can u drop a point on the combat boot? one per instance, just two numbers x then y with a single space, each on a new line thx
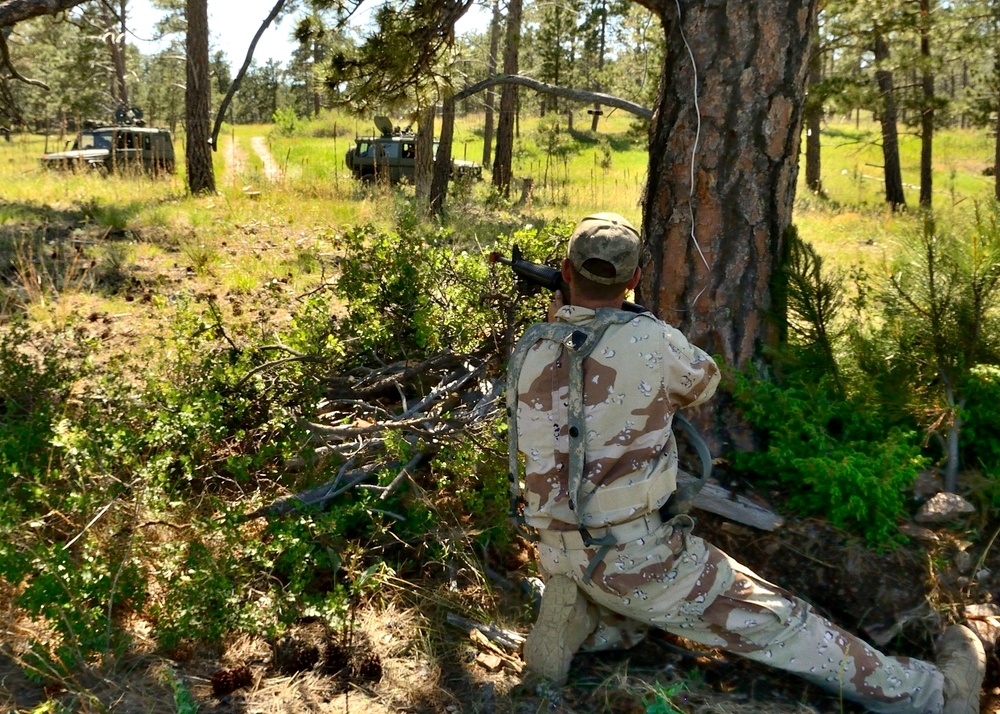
562 625
962 661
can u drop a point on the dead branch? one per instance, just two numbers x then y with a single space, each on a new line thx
404 473
313 498
508 639
5 62
15 11
579 95
379 382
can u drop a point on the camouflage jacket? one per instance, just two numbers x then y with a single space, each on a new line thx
639 374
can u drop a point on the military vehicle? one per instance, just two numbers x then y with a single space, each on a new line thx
391 156
126 145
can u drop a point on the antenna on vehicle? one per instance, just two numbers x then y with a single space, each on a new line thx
384 125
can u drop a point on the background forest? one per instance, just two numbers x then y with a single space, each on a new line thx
252 456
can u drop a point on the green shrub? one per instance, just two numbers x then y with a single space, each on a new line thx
286 122
75 592
411 293
981 415
830 456
474 475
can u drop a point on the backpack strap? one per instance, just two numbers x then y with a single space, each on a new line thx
578 342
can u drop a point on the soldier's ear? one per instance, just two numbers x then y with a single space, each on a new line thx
634 280
567 271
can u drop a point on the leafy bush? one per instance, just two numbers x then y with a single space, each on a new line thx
286 122
414 292
981 432
830 456
75 592
209 417
77 587
473 474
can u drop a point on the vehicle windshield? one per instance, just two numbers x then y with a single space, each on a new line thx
93 140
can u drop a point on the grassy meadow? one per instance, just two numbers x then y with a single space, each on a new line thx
159 353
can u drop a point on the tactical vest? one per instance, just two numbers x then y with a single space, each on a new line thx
579 341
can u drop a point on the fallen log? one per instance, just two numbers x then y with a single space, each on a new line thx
508 639
723 502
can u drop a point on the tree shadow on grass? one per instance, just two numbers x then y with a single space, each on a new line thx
24 219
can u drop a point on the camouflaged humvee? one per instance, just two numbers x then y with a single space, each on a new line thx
391 156
126 145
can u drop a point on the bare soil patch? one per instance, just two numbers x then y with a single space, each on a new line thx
236 158
272 171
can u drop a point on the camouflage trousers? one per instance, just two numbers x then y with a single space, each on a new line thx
675 581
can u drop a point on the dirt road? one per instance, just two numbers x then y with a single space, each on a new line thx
272 172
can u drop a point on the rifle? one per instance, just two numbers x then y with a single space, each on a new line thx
532 276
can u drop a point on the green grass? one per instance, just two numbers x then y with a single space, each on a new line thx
853 174
851 224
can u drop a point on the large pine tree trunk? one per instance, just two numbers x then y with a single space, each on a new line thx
503 161
198 101
894 195
115 34
744 160
491 69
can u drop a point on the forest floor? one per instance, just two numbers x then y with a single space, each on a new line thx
894 599
402 655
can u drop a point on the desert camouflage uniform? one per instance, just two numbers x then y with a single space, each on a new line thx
659 574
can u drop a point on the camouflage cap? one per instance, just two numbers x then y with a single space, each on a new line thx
607 237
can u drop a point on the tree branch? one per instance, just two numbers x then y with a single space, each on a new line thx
15 11
579 95
220 115
5 62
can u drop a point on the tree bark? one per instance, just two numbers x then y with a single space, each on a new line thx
814 120
716 246
14 11
927 112
491 69
114 29
442 161
894 195
503 161
424 167
198 101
